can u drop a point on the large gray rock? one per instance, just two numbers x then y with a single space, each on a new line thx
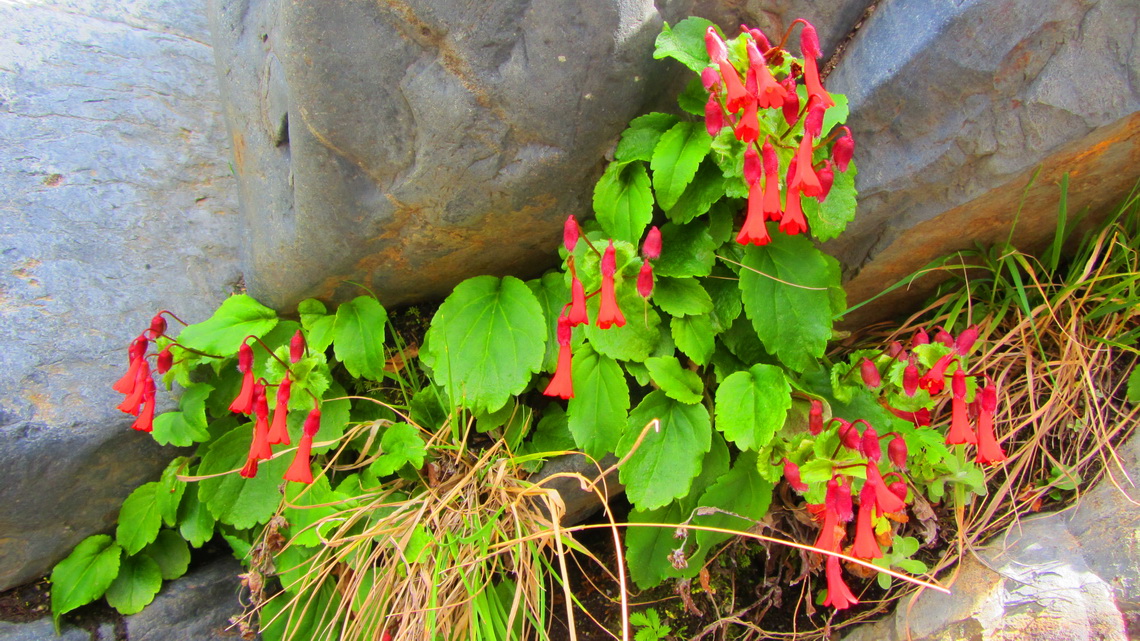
116 202
408 145
955 105
196 607
1070 575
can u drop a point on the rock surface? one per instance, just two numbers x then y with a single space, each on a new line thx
955 105
407 145
196 607
116 202
1069 575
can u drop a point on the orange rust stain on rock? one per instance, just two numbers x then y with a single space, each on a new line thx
239 151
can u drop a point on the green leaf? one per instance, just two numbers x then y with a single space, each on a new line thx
835 115
597 413
648 548
486 341
240 502
634 341
742 341
694 97
677 383
552 294
318 324
308 511
358 337
1134 386
239 316
195 523
664 464
168 495
725 296
171 554
553 431
752 405
685 43
640 138
681 297
335 415
84 575
695 336
139 519
623 202
784 286
707 188
188 426
401 444
675 160
829 219
742 491
138 581
687 250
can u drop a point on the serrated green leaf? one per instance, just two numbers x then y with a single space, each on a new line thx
835 115
636 340
597 413
188 426
237 317
400 445
168 495
318 324
742 491
828 219
665 463
705 190
171 554
308 510
623 201
678 384
681 297
675 160
139 519
694 97
695 336
486 341
725 295
640 138
752 405
195 523
784 287
138 581
84 575
684 42
742 341
552 294
230 498
358 337
553 431
335 415
687 250
264 364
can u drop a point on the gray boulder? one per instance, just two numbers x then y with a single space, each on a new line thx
196 607
956 105
117 201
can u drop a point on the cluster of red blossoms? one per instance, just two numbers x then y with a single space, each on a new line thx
609 312
735 102
139 387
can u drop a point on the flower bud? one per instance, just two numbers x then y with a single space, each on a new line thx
945 338
165 361
849 436
609 261
898 488
297 347
843 150
910 378
896 452
715 46
815 417
896 351
826 179
651 248
871 448
792 475
714 116
757 35
570 233
645 280
813 123
791 106
157 326
958 383
920 338
752 170
870 373
965 341
313 421
843 506
989 398
809 41
245 358
710 79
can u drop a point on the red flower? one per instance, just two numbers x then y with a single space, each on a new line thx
736 95
297 347
715 46
754 231
870 373
711 80
944 337
826 179
884 497
651 248
813 123
758 36
804 179
792 475
965 341
164 361
809 45
871 448
934 381
920 338
989 451
260 446
645 280
843 507
562 384
609 313
279 430
570 233
752 167
849 435
910 378
866 546
301 470
828 536
747 128
243 404
157 326
791 106
714 116
960 431
843 150
839 596
771 183
769 93
792 221
921 418
578 313
896 451
145 421
815 417
134 400
136 355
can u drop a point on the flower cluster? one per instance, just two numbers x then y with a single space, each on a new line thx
609 312
735 101
138 384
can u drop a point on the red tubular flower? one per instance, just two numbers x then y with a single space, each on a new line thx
164 361
771 183
132 403
965 341
791 106
792 221
145 421
747 128
809 45
920 338
715 46
136 355
710 79
815 417
752 166
754 231
870 373
944 337
813 123
866 546
958 383
910 378
843 150
561 384
279 430
871 448
792 476
260 445
960 431
737 96
578 313
157 326
714 116
849 435
243 404
769 93
645 280
839 596
804 178
843 506
826 179
651 248
297 347
609 313
301 470
935 380
989 452
884 497
758 36
828 536
896 452
921 418
570 233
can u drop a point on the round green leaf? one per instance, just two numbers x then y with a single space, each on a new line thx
665 463
400 444
237 317
686 250
138 581
597 413
195 522
139 519
623 202
742 491
684 42
635 340
84 575
358 337
171 554
486 341
681 297
829 218
695 337
752 405
676 158
318 324
240 502
187 426
677 383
